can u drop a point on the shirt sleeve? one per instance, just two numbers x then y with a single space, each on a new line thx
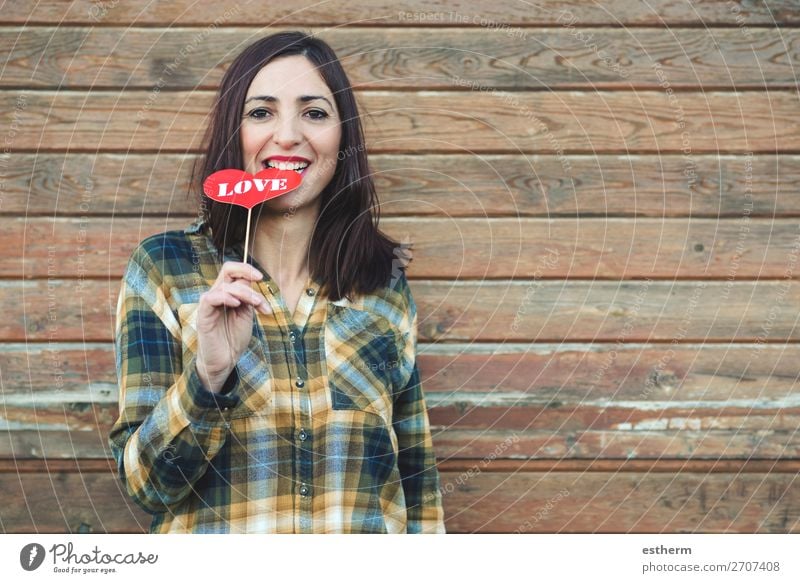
169 426
417 461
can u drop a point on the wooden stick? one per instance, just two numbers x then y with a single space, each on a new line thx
247 235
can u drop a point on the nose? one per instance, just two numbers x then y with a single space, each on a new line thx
287 132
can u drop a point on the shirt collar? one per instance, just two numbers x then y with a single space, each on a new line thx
199 225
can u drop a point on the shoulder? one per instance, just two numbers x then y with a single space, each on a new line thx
393 302
164 247
169 265
170 252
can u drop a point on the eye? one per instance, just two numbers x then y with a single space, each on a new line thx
318 114
258 113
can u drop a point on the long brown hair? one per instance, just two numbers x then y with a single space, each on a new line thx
348 254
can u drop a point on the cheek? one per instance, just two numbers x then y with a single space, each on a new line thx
328 148
250 140
327 142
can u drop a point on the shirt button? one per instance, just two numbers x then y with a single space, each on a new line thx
292 336
303 435
304 490
299 383
310 291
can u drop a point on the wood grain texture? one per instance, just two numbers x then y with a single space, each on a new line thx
57 310
550 373
602 202
412 58
435 122
89 498
454 443
457 185
460 248
624 502
499 401
469 13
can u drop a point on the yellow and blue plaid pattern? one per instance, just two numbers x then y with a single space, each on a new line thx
321 428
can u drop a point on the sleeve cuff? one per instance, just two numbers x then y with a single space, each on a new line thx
230 383
201 405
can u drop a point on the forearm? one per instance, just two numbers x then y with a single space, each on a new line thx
417 461
161 458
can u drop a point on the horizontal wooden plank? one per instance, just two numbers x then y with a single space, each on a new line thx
57 310
432 121
79 372
718 466
762 374
622 503
451 443
515 414
518 430
584 373
475 500
71 309
503 401
87 243
459 248
455 443
82 502
499 411
383 12
56 444
59 184
385 58
612 311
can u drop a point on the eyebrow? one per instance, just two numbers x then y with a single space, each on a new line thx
301 99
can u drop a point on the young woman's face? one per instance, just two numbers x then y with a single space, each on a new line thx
289 112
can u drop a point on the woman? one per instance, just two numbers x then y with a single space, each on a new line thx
282 394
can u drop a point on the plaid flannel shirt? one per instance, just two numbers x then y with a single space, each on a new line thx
321 428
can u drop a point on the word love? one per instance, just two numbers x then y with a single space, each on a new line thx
244 189
244 186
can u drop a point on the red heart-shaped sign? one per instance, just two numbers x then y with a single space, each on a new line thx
243 189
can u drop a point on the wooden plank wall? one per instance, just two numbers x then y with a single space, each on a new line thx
603 200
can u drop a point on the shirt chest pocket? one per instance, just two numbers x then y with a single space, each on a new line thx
255 384
360 355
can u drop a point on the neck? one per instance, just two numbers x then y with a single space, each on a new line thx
281 243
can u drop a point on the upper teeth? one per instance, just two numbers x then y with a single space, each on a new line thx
286 165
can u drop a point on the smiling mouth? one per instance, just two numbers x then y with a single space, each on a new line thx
299 167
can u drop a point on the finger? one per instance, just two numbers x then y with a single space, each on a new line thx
232 270
216 298
245 293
